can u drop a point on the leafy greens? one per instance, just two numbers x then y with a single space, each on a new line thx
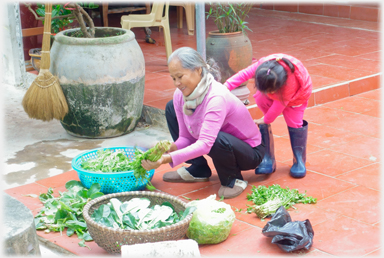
268 199
109 161
66 211
136 214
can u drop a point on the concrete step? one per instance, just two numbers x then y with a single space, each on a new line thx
20 232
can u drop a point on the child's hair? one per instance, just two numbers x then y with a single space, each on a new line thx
270 76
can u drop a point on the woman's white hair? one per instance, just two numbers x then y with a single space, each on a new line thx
192 60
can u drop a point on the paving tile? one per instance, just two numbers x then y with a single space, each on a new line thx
311 212
254 241
354 203
59 180
363 124
365 147
319 82
349 61
336 72
160 104
21 193
366 176
343 236
327 116
283 150
375 112
151 95
314 184
372 94
372 56
376 253
71 244
327 136
318 253
162 83
354 104
332 94
328 162
155 75
279 126
364 84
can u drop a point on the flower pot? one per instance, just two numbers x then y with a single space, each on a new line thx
102 79
35 54
232 52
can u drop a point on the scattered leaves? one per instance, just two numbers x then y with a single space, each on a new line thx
268 199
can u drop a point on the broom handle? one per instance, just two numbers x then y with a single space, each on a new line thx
45 56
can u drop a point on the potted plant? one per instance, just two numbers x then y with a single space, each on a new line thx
229 45
101 71
61 19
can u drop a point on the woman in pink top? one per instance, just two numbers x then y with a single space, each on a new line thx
283 86
205 118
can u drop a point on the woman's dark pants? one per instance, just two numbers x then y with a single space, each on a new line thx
229 154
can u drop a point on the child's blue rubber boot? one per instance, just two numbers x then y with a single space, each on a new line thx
298 137
268 164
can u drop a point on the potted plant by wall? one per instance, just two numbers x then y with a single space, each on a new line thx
229 45
61 20
101 71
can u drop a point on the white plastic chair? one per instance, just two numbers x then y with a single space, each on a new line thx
189 15
153 19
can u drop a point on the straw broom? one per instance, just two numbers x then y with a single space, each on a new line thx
44 99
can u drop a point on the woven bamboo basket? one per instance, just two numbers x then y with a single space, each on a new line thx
111 239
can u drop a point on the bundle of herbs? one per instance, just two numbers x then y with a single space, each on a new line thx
66 210
138 214
109 161
268 199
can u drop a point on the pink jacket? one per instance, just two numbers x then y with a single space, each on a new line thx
219 111
296 91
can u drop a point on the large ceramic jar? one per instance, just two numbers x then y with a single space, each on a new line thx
232 52
102 79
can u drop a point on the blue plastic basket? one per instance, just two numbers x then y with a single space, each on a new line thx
115 182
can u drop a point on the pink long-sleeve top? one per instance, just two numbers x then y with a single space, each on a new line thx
219 111
295 92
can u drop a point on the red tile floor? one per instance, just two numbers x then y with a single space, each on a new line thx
343 153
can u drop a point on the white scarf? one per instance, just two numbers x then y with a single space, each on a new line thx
197 96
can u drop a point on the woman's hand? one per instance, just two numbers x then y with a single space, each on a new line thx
259 121
148 165
172 148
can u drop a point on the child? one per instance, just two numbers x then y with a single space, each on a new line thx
283 86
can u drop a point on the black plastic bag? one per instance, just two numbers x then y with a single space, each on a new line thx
288 235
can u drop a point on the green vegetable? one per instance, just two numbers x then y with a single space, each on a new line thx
109 161
211 222
268 199
66 211
153 154
136 214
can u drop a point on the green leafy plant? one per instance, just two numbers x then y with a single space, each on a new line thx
136 214
66 210
152 154
268 199
109 161
57 25
229 17
63 15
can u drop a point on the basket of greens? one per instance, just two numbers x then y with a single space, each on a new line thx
118 169
136 217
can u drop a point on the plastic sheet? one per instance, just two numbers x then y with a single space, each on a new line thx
287 234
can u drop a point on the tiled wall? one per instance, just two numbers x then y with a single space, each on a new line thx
353 11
